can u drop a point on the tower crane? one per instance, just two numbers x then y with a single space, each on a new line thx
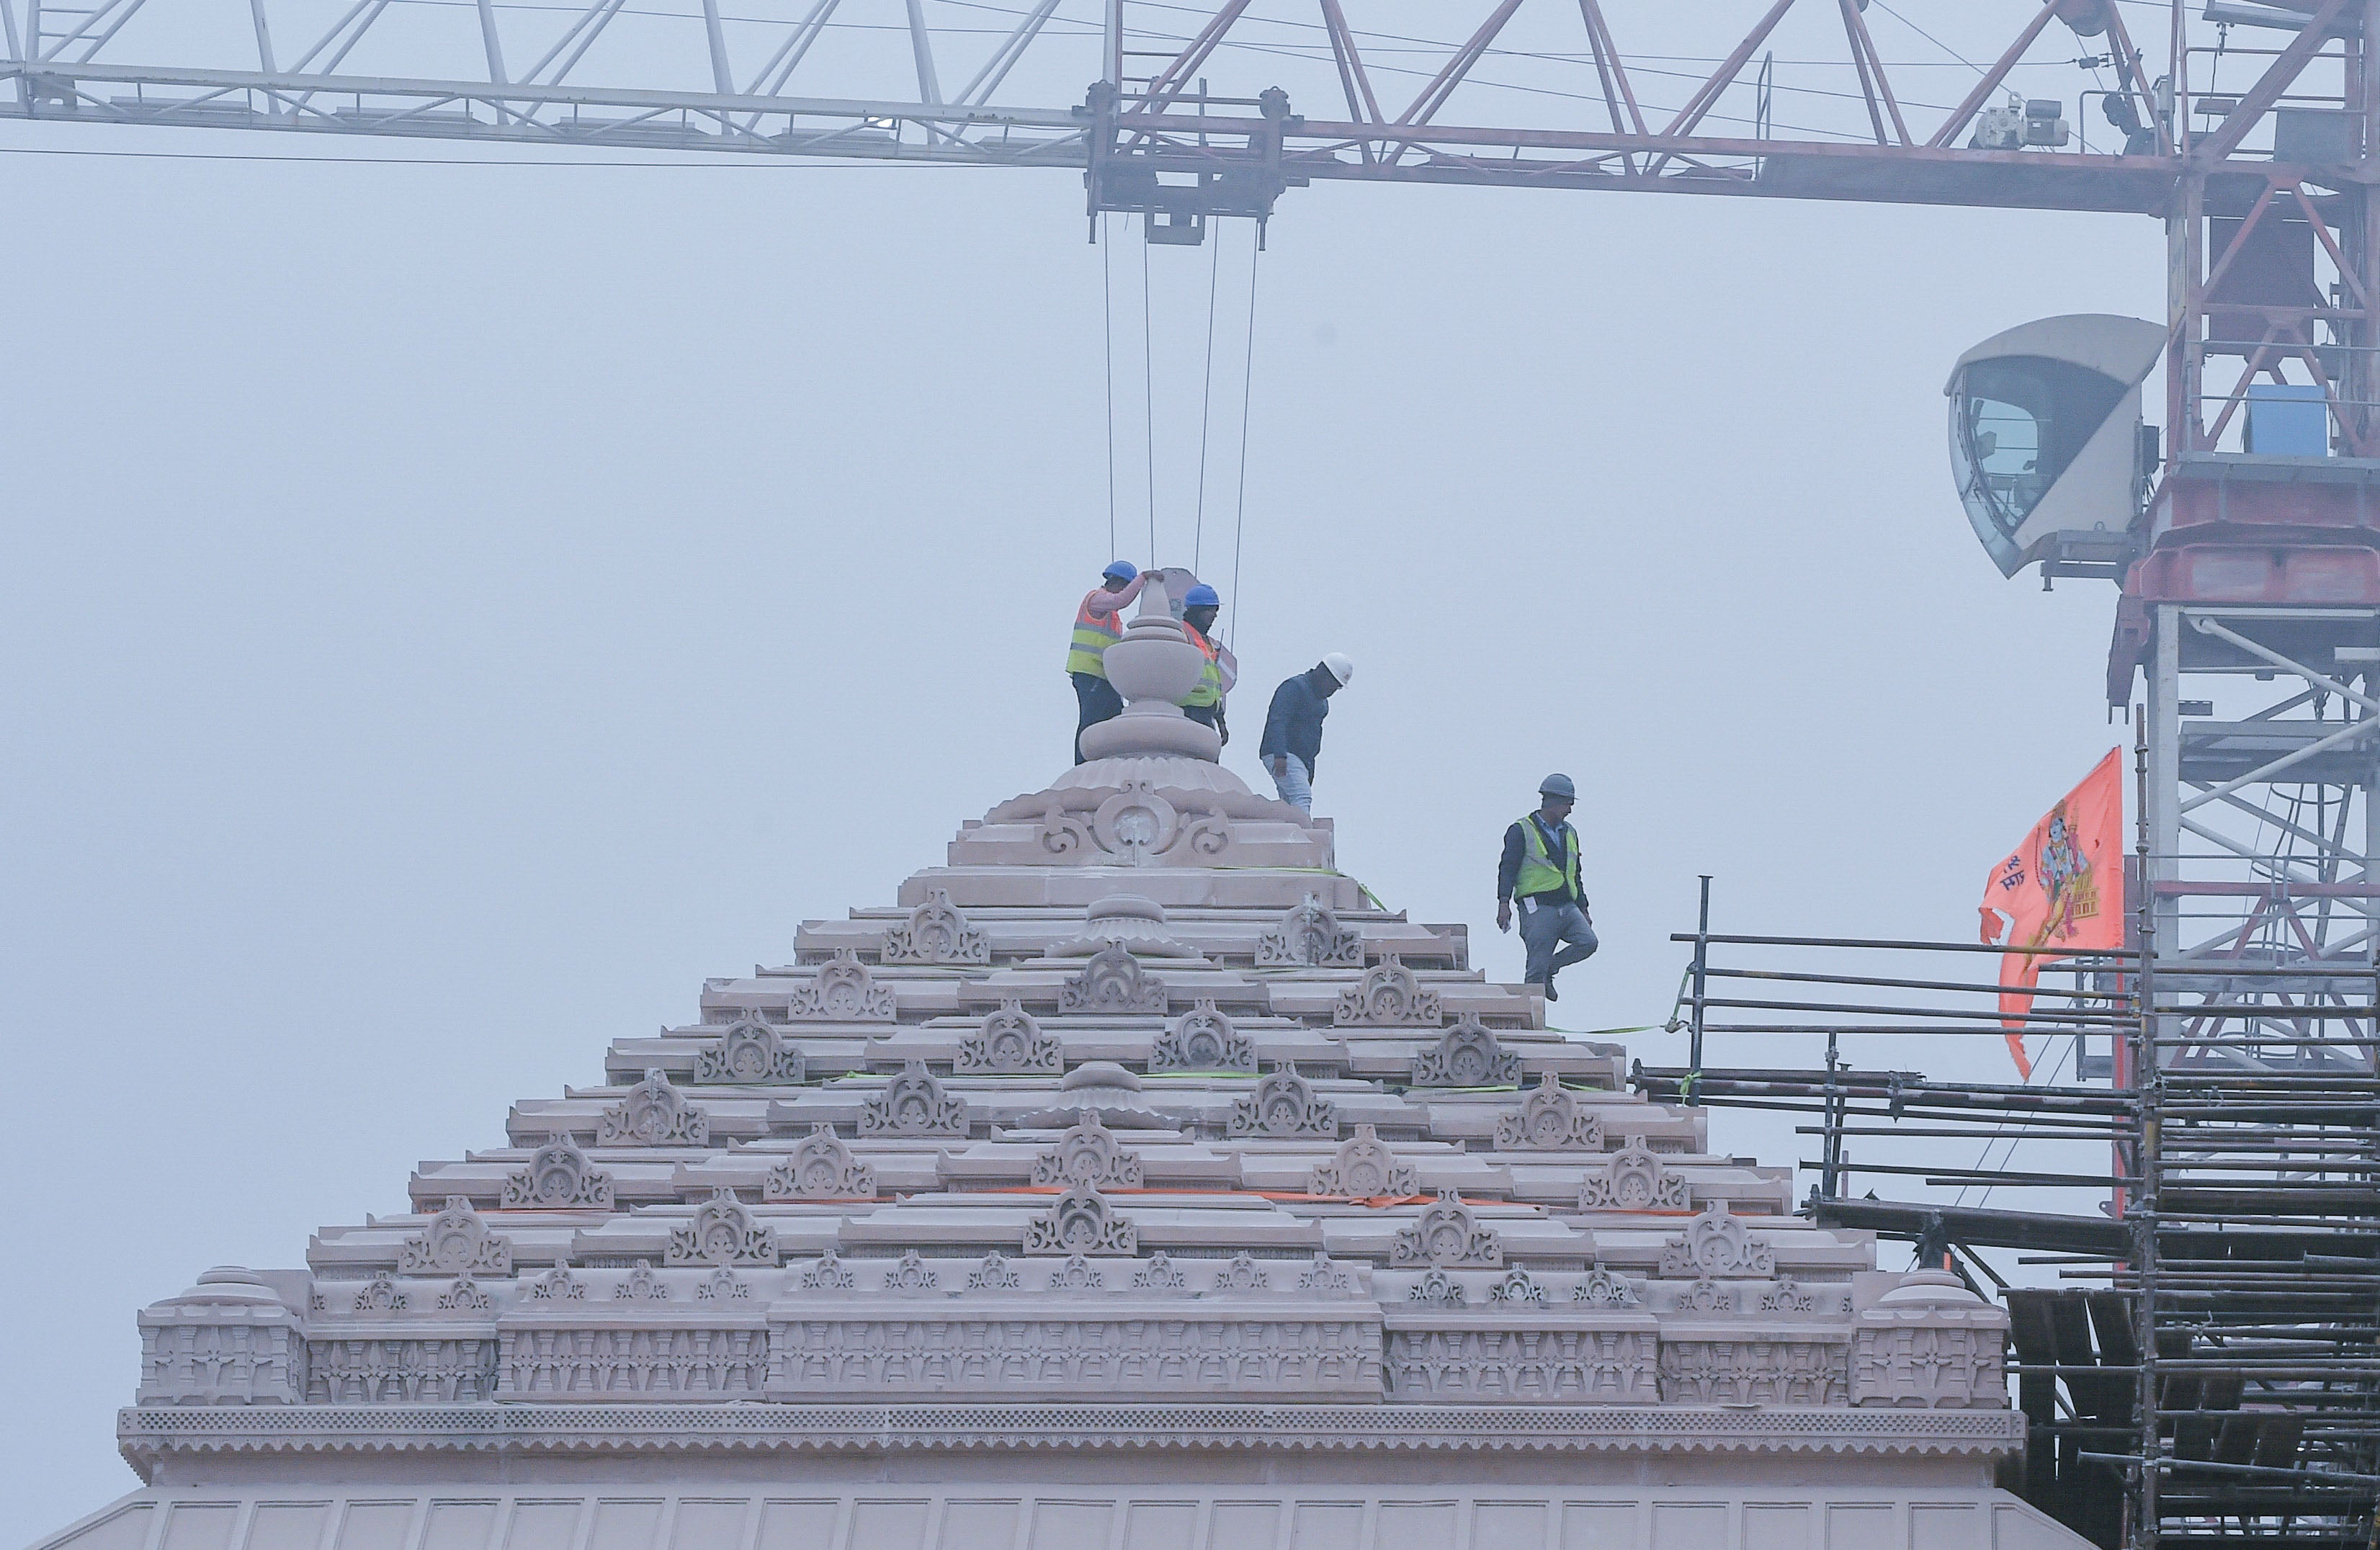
2243 534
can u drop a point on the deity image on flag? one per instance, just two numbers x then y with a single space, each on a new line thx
2062 889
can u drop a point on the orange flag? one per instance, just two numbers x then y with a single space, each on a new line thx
2064 887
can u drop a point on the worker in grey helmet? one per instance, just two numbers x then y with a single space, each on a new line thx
1540 872
1293 734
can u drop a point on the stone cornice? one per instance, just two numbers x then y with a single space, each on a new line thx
146 1434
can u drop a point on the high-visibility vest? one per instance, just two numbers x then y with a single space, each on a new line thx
1094 632
1538 873
1210 674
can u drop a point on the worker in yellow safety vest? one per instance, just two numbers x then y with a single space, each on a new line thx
1099 624
1204 703
1540 871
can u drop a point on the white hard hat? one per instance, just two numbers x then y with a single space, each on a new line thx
1342 667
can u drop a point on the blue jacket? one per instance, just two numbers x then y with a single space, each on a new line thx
1293 726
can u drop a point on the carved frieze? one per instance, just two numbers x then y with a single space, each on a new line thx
1310 935
1550 1120
1930 1344
722 1232
1446 1234
936 932
844 991
1009 1042
1113 982
1387 996
229 1340
455 1243
1716 1243
1468 1055
913 1103
1633 1179
751 1053
1087 1154
1752 1371
405 1370
1284 1105
1079 1222
558 1178
1363 1169
653 1113
1203 1039
1571 1366
819 1168
644 1363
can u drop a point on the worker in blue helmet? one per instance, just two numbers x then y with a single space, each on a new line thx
1099 623
1204 703
1540 872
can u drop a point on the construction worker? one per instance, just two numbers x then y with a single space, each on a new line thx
1099 623
1293 734
1540 869
1204 703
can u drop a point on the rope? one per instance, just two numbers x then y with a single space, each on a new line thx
1206 400
1107 322
1247 392
1148 392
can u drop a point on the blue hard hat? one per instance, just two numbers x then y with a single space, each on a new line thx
1121 570
1201 596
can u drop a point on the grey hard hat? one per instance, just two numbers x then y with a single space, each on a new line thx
1558 785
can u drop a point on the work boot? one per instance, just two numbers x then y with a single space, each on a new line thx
1545 984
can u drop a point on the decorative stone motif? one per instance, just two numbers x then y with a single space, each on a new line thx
1438 1289
914 1104
910 1275
936 933
1241 1275
1634 1179
403 1370
1363 1169
830 1273
1203 1039
993 1275
1716 1245
1930 1344
1138 826
1516 1286
751 1053
1077 1276
557 1285
1010 1042
723 1286
643 1362
1284 1105
1088 1154
1080 1223
653 1113
642 1286
229 1340
1159 1274
722 1232
1707 1296
1752 1371
1601 1288
1550 1120
464 1297
558 1178
819 1168
379 1295
1568 1366
843 992
1788 1297
455 1243
1325 1280
1310 935
1467 1057
1387 996
1113 982
1446 1234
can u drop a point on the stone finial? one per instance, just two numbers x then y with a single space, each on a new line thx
558 1178
1152 667
1113 981
821 1168
1716 1244
1468 1055
1080 1223
1087 1154
1446 1234
751 1053
1203 1039
722 1232
653 1113
1363 1169
844 991
1284 1105
1633 1179
936 932
455 1243
1387 996
1310 935
1009 1042
914 1104
1548 1119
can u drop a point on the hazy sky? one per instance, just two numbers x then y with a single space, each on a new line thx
451 610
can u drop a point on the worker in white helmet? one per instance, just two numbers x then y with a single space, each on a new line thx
1292 734
1540 871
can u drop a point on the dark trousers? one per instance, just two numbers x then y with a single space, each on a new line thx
1099 702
